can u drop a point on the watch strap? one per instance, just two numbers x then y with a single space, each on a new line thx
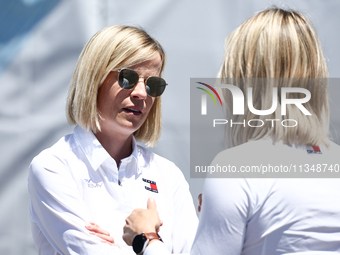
152 236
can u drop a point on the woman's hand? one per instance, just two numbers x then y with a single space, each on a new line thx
142 220
101 233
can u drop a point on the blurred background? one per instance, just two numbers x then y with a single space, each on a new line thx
40 41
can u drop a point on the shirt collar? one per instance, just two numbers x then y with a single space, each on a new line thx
95 152
133 168
134 149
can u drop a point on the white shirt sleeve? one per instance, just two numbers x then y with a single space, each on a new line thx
223 218
58 214
186 221
156 248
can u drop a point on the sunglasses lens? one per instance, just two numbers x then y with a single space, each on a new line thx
128 79
155 86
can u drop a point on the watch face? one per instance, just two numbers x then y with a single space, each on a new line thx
138 243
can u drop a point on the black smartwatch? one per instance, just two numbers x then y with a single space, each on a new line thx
141 240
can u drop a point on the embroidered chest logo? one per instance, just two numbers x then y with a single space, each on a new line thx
151 185
313 150
91 184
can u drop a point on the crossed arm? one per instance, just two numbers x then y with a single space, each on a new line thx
140 220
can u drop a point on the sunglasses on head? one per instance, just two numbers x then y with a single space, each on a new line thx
128 79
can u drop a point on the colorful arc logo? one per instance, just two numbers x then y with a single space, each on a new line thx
204 98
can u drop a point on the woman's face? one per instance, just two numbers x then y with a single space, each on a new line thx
122 112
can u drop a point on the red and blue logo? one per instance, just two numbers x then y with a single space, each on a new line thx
152 185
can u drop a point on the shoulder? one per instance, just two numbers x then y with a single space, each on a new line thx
248 151
54 157
333 149
151 161
154 159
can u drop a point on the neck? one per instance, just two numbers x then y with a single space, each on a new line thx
117 146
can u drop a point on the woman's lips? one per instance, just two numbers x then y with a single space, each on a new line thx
132 110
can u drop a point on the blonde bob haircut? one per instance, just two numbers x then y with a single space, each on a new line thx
112 48
282 47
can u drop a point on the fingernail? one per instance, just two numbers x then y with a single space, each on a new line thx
88 226
151 199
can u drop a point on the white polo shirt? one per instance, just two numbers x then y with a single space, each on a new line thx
76 181
272 216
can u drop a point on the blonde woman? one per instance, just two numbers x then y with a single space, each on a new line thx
99 173
280 215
